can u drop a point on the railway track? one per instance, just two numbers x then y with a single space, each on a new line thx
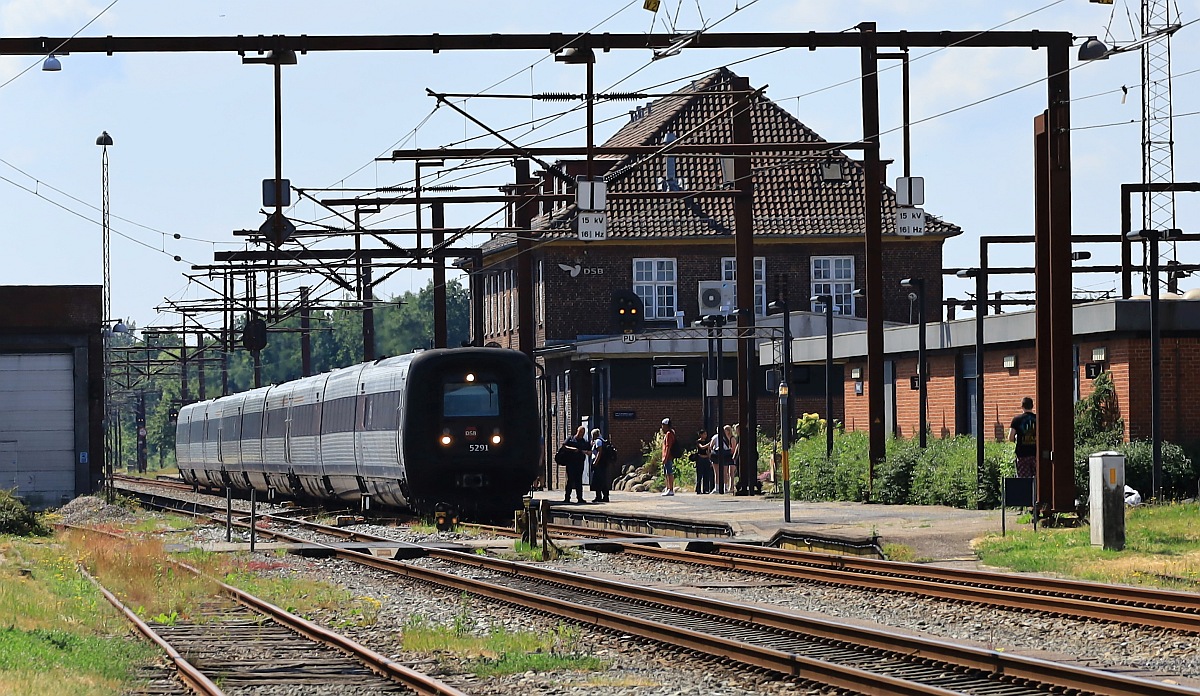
1136 606
1140 606
856 659
239 641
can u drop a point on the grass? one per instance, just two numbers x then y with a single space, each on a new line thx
499 652
58 635
1162 549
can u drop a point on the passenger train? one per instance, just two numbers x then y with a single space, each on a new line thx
438 429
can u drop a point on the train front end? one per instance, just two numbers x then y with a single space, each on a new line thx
470 431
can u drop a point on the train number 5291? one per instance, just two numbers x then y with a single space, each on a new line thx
478 448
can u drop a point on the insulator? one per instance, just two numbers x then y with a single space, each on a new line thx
621 96
556 96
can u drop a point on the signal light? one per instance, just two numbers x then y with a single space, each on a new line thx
627 310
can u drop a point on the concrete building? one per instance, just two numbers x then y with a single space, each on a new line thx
51 392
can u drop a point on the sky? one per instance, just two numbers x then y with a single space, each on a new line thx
193 133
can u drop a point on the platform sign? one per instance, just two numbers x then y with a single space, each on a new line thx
591 226
914 383
1094 369
910 190
910 222
590 193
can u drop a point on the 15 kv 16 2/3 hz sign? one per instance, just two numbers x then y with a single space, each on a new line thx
910 222
590 225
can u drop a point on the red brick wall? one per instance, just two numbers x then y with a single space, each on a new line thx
1128 360
580 305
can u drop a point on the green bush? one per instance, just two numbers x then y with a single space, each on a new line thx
16 518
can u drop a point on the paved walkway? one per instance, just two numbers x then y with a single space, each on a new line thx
938 534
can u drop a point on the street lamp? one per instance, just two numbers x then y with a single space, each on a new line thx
827 301
918 284
1153 237
279 230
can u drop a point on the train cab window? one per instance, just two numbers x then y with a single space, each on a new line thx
470 399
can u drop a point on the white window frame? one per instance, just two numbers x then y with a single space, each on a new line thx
729 275
654 280
833 275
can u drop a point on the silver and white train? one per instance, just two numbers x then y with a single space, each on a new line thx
440 429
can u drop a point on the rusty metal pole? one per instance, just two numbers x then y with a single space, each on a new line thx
440 332
306 366
1126 245
1044 396
1062 372
873 205
743 226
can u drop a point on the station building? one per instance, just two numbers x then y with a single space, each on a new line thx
51 392
1110 336
676 253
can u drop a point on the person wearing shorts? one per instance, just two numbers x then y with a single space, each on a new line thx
668 461
1023 431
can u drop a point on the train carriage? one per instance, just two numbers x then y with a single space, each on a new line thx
434 429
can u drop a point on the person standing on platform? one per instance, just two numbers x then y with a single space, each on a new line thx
704 463
669 451
602 467
1023 431
731 458
571 456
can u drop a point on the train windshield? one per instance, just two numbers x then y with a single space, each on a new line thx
471 399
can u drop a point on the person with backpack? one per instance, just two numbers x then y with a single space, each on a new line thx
604 462
571 456
671 450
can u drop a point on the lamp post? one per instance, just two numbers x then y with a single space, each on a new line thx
715 322
785 398
1152 237
279 232
104 141
827 301
918 284
980 277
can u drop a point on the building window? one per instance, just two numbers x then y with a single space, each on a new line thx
834 275
654 282
487 304
729 275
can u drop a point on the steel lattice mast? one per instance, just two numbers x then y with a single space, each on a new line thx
1158 144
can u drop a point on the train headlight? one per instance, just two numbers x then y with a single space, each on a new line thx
496 439
446 439
470 377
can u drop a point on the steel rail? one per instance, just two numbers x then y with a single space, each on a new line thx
420 683
194 678
987 661
1117 594
1178 611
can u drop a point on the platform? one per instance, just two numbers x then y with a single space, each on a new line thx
935 533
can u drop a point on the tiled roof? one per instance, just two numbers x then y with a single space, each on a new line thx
791 198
